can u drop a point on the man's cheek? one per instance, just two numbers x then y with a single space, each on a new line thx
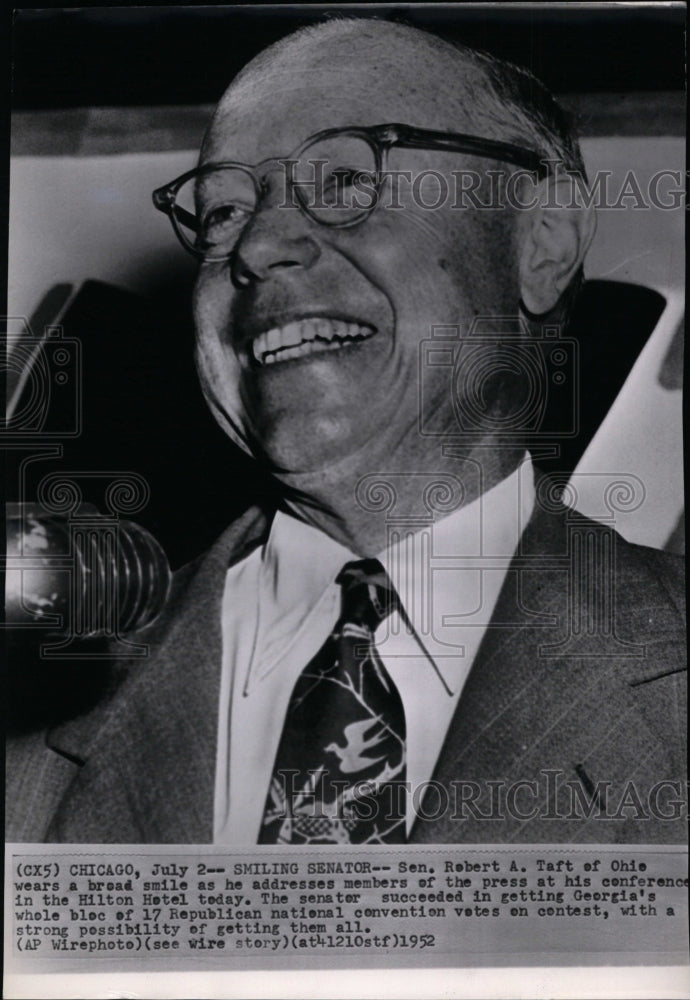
212 301
218 368
436 294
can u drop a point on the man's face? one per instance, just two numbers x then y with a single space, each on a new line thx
362 298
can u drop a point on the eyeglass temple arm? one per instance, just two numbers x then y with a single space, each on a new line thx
410 138
164 201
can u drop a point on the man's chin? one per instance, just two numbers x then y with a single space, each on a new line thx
317 450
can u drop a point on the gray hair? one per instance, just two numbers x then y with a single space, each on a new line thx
524 110
506 101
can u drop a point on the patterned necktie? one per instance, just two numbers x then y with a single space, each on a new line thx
339 775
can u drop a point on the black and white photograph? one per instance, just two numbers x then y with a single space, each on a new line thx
343 462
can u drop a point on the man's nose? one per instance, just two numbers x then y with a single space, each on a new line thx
276 238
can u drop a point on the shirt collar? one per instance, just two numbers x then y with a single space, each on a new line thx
299 564
483 534
297 570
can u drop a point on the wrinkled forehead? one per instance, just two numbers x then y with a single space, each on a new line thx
286 95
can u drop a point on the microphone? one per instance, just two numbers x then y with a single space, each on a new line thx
85 576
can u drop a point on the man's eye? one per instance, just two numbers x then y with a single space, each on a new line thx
223 220
339 184
341 177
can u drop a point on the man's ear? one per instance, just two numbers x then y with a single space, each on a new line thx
554 241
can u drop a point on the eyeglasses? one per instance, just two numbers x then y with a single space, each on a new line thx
336 176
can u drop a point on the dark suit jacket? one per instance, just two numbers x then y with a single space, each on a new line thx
578 685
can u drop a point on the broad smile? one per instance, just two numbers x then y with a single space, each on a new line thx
303 337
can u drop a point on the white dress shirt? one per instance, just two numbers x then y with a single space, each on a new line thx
281 603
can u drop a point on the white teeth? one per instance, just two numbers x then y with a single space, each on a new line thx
290 335
308 336
309 329
299 352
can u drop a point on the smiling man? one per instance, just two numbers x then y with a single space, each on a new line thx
421 643
377 285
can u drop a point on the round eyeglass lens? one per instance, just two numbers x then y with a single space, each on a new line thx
213 208
335 178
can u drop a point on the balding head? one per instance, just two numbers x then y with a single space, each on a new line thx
406 70
310 402
425 80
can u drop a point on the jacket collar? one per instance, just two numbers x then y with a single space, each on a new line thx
532 666
555 695
152 792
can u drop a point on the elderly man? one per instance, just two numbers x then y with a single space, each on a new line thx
421 643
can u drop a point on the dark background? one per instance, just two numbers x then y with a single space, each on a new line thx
143 409
185 55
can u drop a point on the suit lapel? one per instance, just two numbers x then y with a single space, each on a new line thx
538 699
521 713
149 771
495 719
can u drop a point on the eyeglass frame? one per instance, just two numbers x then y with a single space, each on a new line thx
381 138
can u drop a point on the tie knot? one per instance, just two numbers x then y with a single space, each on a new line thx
368 595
